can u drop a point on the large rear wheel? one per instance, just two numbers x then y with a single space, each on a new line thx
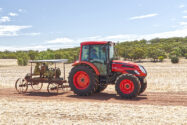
127 86
83 80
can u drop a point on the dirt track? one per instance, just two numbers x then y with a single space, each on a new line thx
152 98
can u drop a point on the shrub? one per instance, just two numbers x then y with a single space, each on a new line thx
175 59
161 58
22 59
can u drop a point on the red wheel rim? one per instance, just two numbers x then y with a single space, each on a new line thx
126 86
81 80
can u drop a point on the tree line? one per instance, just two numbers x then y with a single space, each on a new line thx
156 50
23 56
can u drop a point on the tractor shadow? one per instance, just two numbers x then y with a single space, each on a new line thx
107 96
41 94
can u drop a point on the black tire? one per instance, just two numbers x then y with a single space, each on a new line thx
143 85
93 80
100 88
135 83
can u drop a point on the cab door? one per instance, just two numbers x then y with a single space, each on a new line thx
98 56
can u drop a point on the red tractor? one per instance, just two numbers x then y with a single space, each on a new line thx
96 68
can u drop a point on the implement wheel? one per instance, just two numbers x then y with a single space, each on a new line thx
65 88
83 80
37 86
21 85
127 86
52 88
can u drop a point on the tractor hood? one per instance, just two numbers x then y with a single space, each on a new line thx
127 63
128 67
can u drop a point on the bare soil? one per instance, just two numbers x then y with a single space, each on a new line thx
150 98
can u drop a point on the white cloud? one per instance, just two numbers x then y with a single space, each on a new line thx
20 10
181 6
185 11
115 38
174 26
127 37
183 23
61 40
173 19
1 9
4 19
13 14
11 30
34 47
184 17
30 34
65 42
130 37
143 16
156 25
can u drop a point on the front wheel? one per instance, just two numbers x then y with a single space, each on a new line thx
127 86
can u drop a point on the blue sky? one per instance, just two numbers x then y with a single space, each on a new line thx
54 24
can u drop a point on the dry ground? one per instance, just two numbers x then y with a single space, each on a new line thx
164 102
19 111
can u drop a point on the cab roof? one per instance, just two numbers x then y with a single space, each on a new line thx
95 42
49 61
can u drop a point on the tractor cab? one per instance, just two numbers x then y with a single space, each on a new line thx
100 54
97 67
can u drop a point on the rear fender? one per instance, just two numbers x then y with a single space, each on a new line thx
89 64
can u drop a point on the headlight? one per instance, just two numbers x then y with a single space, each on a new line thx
142 69
136 72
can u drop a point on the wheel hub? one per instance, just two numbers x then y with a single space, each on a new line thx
81 80
127 86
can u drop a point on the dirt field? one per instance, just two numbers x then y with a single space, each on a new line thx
164 102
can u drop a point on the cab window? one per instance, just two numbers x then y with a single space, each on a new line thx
85 53
98 53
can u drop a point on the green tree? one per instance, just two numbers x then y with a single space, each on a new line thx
154 53
32 54
138 53
58 56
